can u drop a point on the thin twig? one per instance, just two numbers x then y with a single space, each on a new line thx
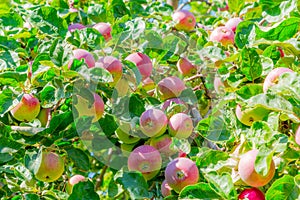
100 178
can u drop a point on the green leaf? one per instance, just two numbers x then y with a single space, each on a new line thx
8 43
199 191
210 157
222 184
263 161
213 128
6 100
235 5
119 8
5 157
60 52
97 12
251 65
9 60
249 90
11 20
134 183
136 105
245 34
79 157
84 191
284 31
283 188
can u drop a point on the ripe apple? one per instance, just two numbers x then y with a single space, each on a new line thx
73 27
170 87
153 122
113 65
50 167
181 172
83 54
297 136
247 171
125 137
72 181
27 109
95 110
218 85
162 144
44 116
233 23
104 29
185 67
145 159
185 20
143 63
181 125
223 35
273 76
251 115
165 189
148 84
251 194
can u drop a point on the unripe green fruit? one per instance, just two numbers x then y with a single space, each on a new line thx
44 116
50 167
181 125
125 137
27 109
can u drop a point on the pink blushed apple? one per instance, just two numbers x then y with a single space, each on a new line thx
181 125
251 194
297 135
273 76
233 23
181 172
247 171
76 26
170 87
143 63
153 122
223 35
145 159
185 20
111 64
165 189
104 29
83 54
185 67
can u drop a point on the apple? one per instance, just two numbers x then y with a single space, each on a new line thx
125 137
104 29
247 171
273 76
143 63
185 20
73 27
50 167
83 54
185 67
181 125
27 109
233 23
170 87
173 106
145 159
162 144
44 116
251 194
148 84
165 189
181 172
84 108
297 136
218 85
248 116
223 35
153 122
72 181
122 87
113 65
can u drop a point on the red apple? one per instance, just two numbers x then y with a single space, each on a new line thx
181 172
223 35
165 189
27 109
96 110
162 144
185 67
181 125
73 27
273 76
143 63
185 20
170 87
145 159
233 23
297 136
104 29
113 65
74 180
247 171
153 122
84 54
251 194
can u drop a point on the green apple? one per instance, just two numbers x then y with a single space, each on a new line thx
125 137
44 116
